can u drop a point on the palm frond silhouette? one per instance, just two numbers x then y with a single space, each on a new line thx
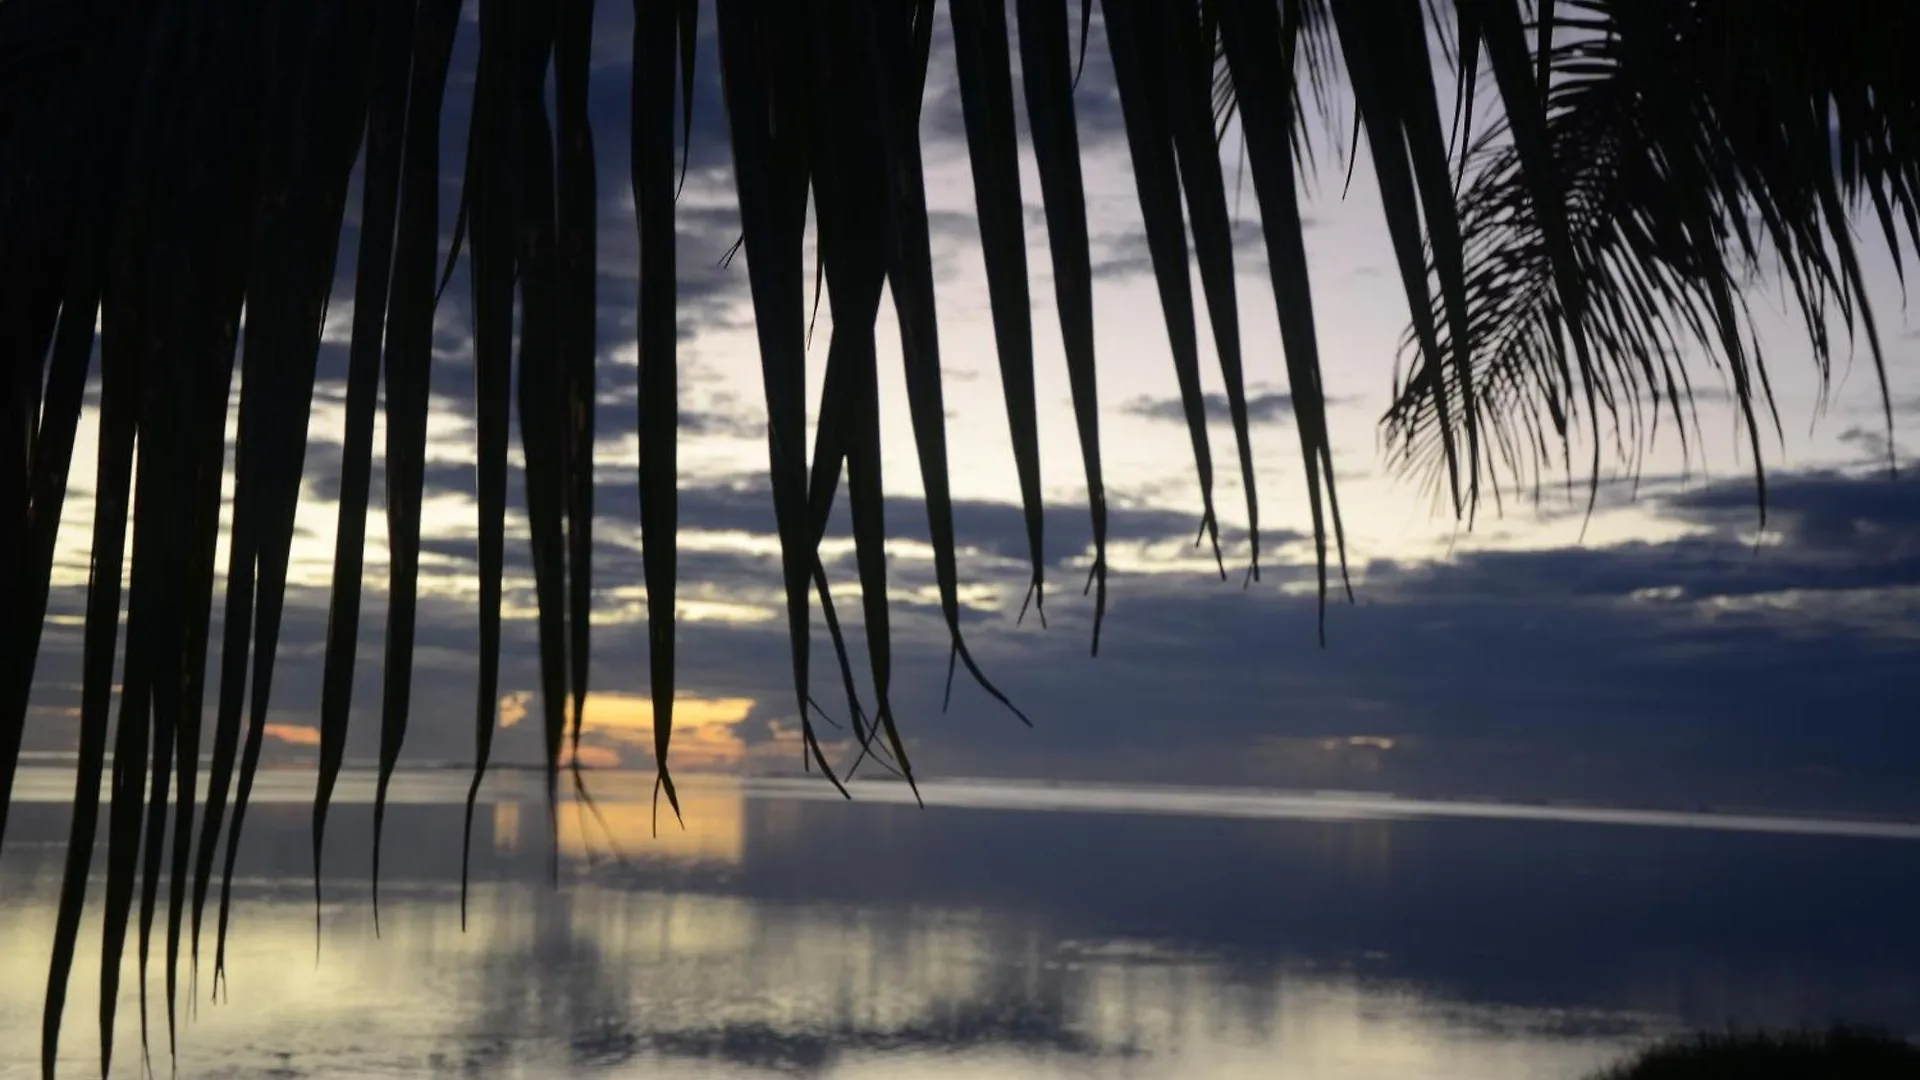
168 169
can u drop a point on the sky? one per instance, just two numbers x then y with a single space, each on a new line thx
1667 650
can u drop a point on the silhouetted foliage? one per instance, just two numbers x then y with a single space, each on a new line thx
1839 1054
165 167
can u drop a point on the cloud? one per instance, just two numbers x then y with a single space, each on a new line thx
1872 517
1124 253
1273 407
1868 442
1685 670
620 725
701 423
293 734
1692 669
513 708
1875 445
742 507
1570 692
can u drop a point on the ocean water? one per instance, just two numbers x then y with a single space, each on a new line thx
1005 930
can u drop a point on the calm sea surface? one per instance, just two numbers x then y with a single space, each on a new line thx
1004 931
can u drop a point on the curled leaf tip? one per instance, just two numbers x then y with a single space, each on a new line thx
1210 530
1097 575
979 676
1036 599
953 657
662 781
820 757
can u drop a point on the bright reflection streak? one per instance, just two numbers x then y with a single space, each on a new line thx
623 822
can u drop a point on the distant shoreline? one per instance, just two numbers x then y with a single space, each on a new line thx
49 783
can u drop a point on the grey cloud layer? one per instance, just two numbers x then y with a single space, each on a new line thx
1270 407
1702 669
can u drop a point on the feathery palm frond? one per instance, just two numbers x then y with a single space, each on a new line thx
164 169
1680 151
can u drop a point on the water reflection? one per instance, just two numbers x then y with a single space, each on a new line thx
781 934
622 820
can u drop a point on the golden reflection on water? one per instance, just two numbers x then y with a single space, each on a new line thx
622 820
506 828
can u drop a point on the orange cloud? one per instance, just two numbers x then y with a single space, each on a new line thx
704 729
705 734
625 820
294 734
590 756
513 707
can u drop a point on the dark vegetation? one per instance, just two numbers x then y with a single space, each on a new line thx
1570 266
1839 1054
